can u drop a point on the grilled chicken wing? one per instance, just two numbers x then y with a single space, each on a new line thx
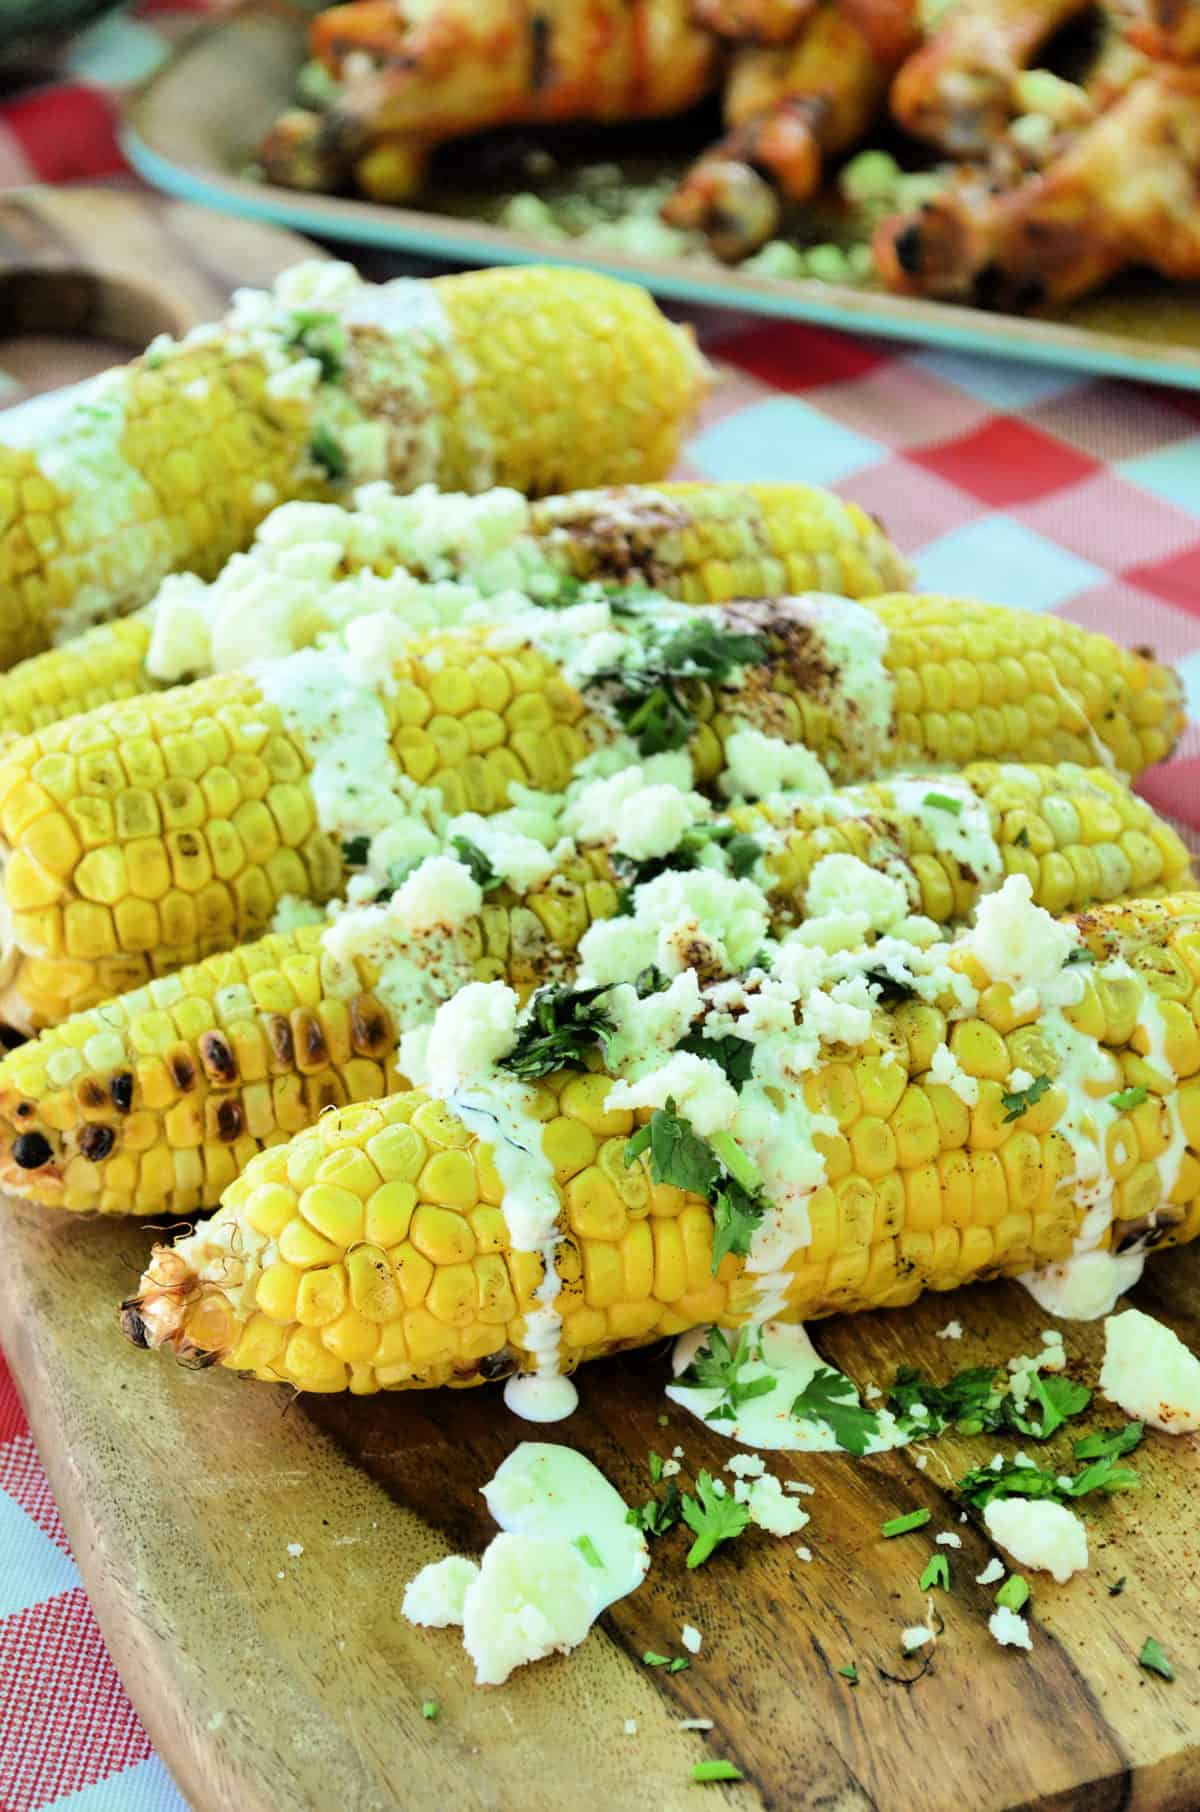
414 75
1123 193
789 107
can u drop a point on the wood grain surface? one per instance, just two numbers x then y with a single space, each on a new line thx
114 268
274 1683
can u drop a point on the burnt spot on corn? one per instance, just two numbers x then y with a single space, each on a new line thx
182 1069
907 246
624 544
91 1094
279 1036
24 1109
310 1040
216 1054
120 1091
96 1142
541 32
31 1150
230 1120
501 1364
370 1026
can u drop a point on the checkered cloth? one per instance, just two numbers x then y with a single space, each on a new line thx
1004 481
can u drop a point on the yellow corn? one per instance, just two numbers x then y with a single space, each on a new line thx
152 1102
540 379
703 543
142 836
372 1253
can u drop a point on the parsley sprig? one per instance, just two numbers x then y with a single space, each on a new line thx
651 697
477 863
984 1483
713 1517
1021 1100
320 334
977 1401
561 1028
717 1168
830 1397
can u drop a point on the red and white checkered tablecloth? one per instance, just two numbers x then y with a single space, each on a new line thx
1017 483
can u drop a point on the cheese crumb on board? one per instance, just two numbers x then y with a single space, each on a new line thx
1039 1534
1010 1629
1149 1372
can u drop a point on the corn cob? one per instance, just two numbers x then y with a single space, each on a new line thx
155 1100
145 835
703 543
542 379
373 1252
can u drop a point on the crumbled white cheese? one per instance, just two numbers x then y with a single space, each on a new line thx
991 1573
951 1331
916 1636
1149 1372
841 884
1009 1628
945 1068
434 1598
1025 946
769 1507
948 1539
747 1465
523 862
469 1034
295 1549
1038 1533
694 919
691 1638
532 1598
803 1553
292 913
757 766
631 1727
699 1088
644 1031
640 811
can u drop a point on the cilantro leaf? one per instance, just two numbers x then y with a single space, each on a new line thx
354 851
650 701
984 1483
1059 1398
477 864
716 1770
904 1525
735 1055
970 1400
1130 1097
1154 1660
1016 1104
944 802
657 1514
743 852
712 1517
736 1213
829 1397
718 1366
681 1157
849 1672
562 1026
327 453
1110 1443
1081 954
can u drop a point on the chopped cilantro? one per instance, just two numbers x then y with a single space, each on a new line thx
1110 1443
743 852
321 335
658 1514
656 1466
1059 1398
354 851
849 1672
648 981
1013 1594
678 1665
1153 1659
718 1366
1080 955
477 864
1015 1105
1130 1097
653 1660
716 1770
970 1400
562 1026
588 1549
327 453
937 1573
945 802
429 1709
891 988
904 1525
711 1518
1117 1587
680 1157
735 1055
650 701
983 1483
829 1397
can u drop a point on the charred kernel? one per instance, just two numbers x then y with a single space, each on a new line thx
279 1032
31 1150
217 1057
230 1120
95 1142
91 1094
120 1091
370 1027
182 1069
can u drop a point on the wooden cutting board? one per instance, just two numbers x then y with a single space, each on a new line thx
273 1682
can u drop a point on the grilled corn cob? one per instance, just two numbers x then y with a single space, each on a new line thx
704 543
143 836
154 1101
541 379
374 1252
